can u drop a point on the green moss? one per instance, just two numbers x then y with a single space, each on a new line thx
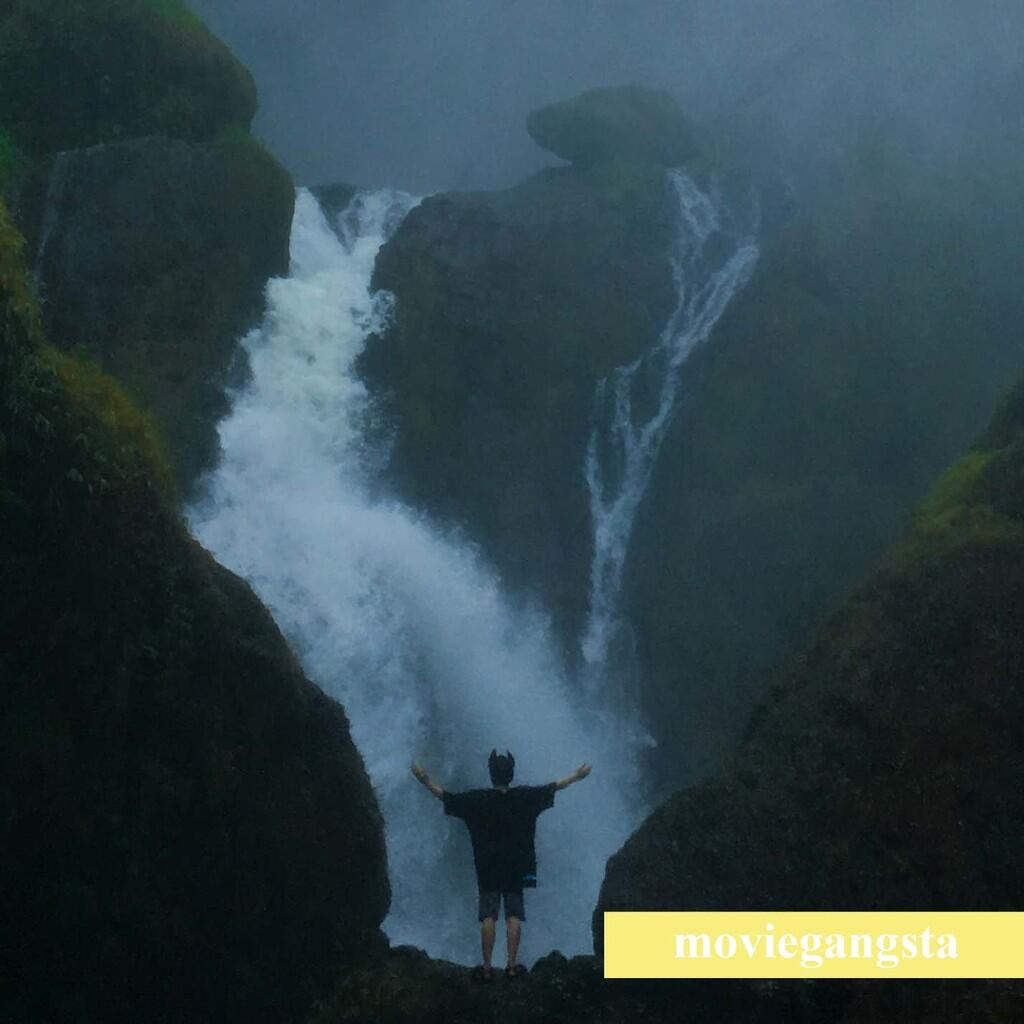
19 301
238 137
861 360
961 526
958 512
55 397
116 437
953 491
19 314
210 222
177 12
75 73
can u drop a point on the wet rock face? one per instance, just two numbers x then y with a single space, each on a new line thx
153 256
511 306
624 122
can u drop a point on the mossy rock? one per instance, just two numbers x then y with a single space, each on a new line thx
154 260
882 770
19 315
626 122
188 830
78 72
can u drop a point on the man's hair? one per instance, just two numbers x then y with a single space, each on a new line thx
502 768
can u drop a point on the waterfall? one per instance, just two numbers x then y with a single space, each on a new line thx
404 624
51 214
633 408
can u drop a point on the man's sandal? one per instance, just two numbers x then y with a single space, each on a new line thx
482 973
515 971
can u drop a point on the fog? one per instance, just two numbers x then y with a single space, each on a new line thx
432 94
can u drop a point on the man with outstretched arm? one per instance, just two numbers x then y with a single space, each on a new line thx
502 823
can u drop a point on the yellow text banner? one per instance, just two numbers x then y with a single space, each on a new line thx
804 944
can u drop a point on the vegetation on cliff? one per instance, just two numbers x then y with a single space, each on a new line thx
187 829
154 262
76 73
161 218
883 769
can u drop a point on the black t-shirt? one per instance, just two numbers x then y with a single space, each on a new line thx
502 827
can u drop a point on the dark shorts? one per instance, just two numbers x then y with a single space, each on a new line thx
490 901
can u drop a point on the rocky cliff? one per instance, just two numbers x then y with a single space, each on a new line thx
187 829
861 358
866 353
152 256
883 769
155 218
511 307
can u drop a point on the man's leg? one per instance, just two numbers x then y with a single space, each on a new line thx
489 903
514 917
487 932
513 929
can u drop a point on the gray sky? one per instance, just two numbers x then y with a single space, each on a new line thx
433 94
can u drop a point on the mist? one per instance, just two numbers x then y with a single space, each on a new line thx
431 95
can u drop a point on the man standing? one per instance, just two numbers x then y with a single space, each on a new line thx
502 823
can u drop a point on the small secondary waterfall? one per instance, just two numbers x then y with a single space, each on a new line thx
400 622
51 211
633 408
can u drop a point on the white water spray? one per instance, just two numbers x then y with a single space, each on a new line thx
624 443
404 625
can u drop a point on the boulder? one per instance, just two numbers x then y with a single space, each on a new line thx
73 74
153 255
627 122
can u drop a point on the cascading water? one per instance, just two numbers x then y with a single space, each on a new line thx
54 193
402 624
633 408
